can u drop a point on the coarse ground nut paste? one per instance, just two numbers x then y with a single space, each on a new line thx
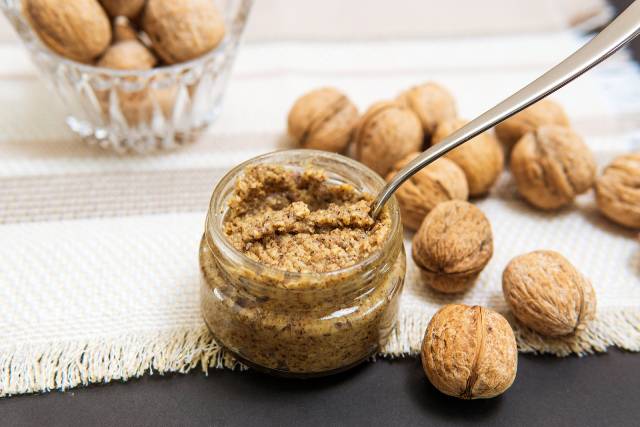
299 222
317 289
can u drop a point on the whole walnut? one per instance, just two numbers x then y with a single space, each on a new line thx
129 8
618 190
452 246
323 119
127 55
385 134
551 166
547 294
79 30
481 158
469 352
439 182
543 112
181 30
432 104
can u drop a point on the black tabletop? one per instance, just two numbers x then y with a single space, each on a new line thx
600 389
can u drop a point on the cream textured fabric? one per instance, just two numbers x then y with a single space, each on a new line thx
98 253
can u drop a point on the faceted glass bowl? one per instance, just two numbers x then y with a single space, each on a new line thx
139 111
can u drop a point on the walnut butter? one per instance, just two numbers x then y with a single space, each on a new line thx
298 278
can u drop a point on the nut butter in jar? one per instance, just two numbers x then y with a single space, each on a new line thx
298 279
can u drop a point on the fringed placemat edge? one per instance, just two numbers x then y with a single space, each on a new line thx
44 367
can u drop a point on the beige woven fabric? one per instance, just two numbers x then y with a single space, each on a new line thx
98 253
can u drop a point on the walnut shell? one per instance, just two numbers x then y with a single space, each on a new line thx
481 158
547 294
439 182
129 8
323 119
469 352
551 166
181 30
452 246
128 55
543 112
79 30
618 190
432 104
385 134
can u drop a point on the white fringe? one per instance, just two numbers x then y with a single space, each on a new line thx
42 367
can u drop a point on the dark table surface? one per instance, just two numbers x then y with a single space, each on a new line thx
602 389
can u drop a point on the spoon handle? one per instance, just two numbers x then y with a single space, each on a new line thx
615 35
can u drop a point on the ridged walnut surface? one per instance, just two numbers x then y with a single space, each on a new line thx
432 104
481 158
181 30
79 29
544 112
618 190
323 119
453 244
469 352
551 166
547 294
439 182
386 134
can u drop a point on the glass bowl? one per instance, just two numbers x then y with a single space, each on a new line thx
138 111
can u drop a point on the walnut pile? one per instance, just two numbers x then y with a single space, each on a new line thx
547 294
178 30
481 158
551 166
469 352
79 29
387 133
452 246
323 119
439 182
432 103
618 191
543 112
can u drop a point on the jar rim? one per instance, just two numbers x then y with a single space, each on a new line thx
222 242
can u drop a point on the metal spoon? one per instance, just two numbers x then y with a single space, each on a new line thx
614 36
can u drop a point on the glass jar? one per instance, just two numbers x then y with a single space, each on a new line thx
300 324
